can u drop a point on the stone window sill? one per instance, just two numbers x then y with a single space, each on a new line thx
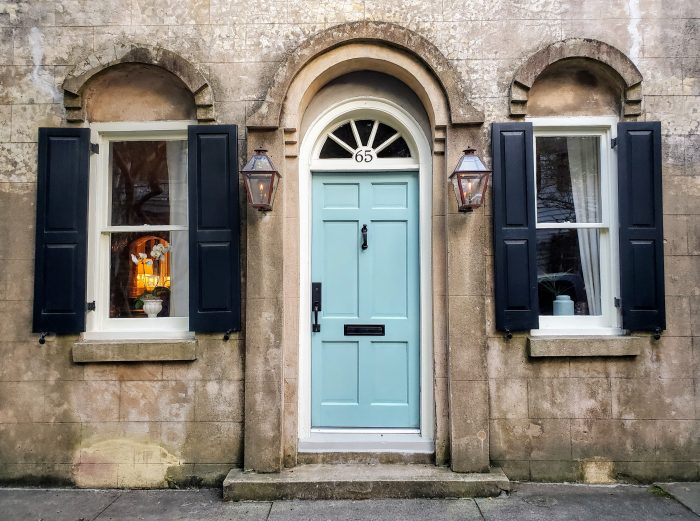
584 346
86 351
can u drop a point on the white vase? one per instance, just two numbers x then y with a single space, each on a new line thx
152 307
563 305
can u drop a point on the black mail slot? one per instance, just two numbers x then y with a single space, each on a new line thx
364 329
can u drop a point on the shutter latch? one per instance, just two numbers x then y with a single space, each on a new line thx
91 306
42 337
507 334
618 302
94 148
657 333
613 142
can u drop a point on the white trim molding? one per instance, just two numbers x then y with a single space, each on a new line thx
609 321
368 440
98 324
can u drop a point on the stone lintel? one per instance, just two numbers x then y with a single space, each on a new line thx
129 351
586 346
358 481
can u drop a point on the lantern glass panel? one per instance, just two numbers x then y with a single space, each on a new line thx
259 163
260 187
470 163
472 187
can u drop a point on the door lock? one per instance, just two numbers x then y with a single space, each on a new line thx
316 305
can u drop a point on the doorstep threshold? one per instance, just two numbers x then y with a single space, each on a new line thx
362 481
326 440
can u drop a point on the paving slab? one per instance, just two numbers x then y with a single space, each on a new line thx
53 504
362 481
686 493
545 502
181 505
377 510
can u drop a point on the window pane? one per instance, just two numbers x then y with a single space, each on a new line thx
364 129
332 150
148 182
398 148
345 134
568 179
144 266
568 264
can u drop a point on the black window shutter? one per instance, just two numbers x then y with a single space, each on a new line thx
214 222
514 247
641 226
61 230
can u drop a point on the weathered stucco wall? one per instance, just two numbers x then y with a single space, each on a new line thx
150 424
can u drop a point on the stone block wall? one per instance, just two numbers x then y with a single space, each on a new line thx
150 424
125 424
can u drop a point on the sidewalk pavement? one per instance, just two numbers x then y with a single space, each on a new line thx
527 502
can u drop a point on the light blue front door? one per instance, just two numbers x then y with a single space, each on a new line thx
359 380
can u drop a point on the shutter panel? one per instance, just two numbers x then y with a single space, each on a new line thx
214 223
514 237
641 226
61 230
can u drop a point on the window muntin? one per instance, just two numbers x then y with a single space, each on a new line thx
576 237
138 247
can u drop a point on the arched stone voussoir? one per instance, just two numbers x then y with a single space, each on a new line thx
601 52
268 112
121 53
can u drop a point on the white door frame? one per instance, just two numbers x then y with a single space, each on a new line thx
367 440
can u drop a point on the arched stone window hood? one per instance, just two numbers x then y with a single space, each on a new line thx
342 49
123 56
592 61
277 123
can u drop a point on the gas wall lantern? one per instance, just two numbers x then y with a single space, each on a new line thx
470 180
261 180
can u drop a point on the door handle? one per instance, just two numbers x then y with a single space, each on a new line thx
364 237
316 305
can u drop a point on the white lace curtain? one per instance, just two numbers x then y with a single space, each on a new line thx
176 153
585 185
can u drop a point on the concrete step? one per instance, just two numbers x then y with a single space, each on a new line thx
361 481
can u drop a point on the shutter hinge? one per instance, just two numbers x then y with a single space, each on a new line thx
618 302
91 306
613 142
94 148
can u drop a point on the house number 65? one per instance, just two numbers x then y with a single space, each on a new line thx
364 155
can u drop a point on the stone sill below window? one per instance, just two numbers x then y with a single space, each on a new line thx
582 346
87 351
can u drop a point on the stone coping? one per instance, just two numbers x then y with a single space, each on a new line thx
582 346
85 351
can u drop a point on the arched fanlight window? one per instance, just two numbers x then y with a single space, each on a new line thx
363 140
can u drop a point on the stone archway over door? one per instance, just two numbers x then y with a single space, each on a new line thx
273 301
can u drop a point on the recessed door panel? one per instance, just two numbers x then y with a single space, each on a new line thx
340 362
366 353
389 269
341 195
341 268
389 195
390 387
